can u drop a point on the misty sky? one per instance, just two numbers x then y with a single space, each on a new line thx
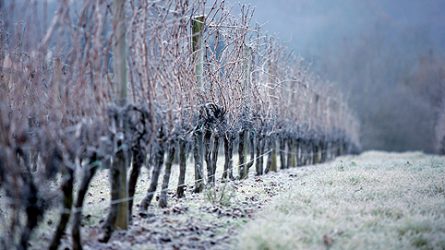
371 49
313 26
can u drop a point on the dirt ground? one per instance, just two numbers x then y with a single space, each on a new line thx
374 200
209 220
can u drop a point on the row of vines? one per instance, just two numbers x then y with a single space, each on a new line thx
120 85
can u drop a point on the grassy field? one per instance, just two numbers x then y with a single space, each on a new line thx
372 201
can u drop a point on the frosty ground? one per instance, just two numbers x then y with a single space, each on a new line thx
375 200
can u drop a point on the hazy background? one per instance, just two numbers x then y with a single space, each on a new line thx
388 56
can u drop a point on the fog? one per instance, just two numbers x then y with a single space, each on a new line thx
387 56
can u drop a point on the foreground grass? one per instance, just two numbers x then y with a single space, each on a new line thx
373 201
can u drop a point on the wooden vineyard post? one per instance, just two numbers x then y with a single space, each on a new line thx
271 164
198 58
198 49
243 135
282 147
315 143
272 147
120 52
298 152
120 161
291 157
274 165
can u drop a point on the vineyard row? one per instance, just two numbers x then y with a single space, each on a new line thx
119 85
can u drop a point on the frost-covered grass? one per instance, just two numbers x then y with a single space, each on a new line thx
375 200
372 201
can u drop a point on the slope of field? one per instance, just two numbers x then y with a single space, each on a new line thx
373 201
